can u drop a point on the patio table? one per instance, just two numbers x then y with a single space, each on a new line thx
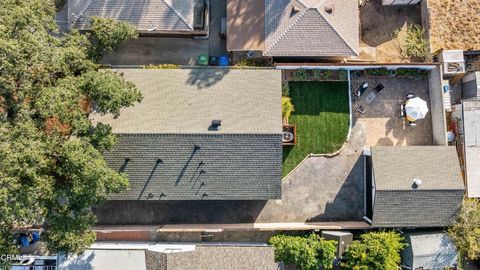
370 98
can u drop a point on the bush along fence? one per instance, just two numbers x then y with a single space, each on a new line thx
411 73
316 75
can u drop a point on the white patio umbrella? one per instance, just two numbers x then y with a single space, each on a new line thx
416 108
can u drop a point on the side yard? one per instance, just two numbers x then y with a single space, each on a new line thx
321 116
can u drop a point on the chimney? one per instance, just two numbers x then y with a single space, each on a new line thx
295 9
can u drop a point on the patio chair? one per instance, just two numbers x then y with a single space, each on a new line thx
361 89
402 110
379 88
412 124
361 110
410 95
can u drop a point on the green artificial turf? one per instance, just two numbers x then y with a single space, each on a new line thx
321 116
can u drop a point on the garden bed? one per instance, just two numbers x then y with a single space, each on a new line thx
316 75
321 118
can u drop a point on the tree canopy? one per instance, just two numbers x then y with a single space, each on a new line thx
305 252
52 170
465 232
374 250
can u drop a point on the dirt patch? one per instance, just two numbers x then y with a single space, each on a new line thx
378 25
454 24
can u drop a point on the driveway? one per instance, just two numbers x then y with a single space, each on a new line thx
180 51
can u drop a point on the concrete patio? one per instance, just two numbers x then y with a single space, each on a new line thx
382 116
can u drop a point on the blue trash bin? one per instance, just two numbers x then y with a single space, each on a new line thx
223 61
24 241
35 236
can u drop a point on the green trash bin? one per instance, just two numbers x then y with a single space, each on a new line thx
203 60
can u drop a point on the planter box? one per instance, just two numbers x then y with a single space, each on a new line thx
292 129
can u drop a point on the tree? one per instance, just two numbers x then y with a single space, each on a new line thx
465 232
375 250
305 252
52 170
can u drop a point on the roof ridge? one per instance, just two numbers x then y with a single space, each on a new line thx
286 30
336 31
178 14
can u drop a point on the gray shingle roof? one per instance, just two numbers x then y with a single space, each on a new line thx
223 257
240 161
430 250
226 167
311 31
187 100
166 15
434 203
395 168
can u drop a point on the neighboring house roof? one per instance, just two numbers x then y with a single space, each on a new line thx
471 134
306 28
169 150
146 15
429 250
158 256
399 203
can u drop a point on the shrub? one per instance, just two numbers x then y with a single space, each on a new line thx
162 66
305 252
414 45
287 108
377 72
253 62
300 75
374 250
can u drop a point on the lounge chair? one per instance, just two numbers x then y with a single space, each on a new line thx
412 124
410 95
379 88
361 89
402 110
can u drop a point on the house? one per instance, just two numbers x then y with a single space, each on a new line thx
429 250
151 17
200 134
294 28
466 116
413 186
159 256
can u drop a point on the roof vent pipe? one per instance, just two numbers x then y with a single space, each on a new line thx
329 9
417 182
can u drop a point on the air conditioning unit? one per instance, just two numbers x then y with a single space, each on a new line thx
453 62
343 239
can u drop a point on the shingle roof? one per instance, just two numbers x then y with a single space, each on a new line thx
146 14
437 167
187 100
223 257
311 31
398 203
242 160
225 167
430 250
170 256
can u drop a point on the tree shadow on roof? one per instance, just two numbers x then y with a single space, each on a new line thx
206 77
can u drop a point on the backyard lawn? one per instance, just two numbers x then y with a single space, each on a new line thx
322 118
